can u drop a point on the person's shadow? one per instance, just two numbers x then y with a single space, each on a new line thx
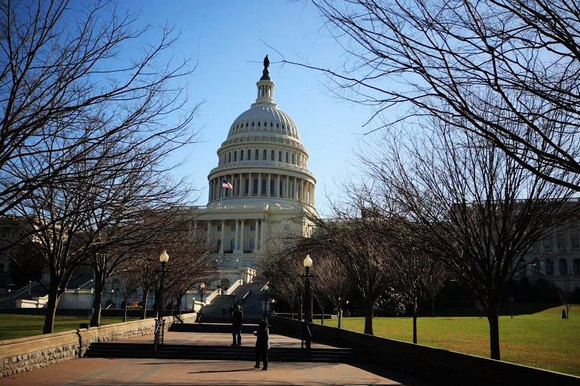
220 371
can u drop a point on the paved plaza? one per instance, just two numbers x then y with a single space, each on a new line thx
152 371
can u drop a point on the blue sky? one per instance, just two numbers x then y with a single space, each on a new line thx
228 40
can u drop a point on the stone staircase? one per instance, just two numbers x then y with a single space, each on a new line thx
201 352
247 295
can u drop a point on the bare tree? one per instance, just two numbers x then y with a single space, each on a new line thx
349 238
457 60
331 283
469 205
65 89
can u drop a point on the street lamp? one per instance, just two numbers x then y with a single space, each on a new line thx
339 312
308 300
266 288
159 325
201 291
308 290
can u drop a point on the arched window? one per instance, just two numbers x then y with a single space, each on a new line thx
549 267
230 156
576 266
272 155
249 155
264 154
257 154
279 156
563 265
293 159
235 156
286 157
242 155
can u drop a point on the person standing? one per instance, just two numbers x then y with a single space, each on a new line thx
262 344
237 321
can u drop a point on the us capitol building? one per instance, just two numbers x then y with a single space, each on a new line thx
261 189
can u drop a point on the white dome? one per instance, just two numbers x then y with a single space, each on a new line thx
263 119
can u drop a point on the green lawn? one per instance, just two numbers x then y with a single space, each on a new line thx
541 340
18 326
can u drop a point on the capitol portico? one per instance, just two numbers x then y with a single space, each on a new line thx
261 188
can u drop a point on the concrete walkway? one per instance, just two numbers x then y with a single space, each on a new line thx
151 371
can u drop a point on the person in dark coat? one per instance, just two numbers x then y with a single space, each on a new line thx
262 344
237 320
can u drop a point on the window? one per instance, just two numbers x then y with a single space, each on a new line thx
252 228
246 124
264 154
230 156
576 266
242 155
233 228
272 156
563 265
252 124
246 186
293 159
286 157
264 186
259 124
548 243
272 186
560 242
277 125
257 154
279 156
271 124
255 188
549 267
219 228
235 156
575 240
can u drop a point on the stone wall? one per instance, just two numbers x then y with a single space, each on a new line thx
438 366
25 354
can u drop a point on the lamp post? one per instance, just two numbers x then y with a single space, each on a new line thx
266 288
201 291
308 300
159 325
307 289
339 312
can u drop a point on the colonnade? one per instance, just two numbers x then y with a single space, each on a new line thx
237 235
262 185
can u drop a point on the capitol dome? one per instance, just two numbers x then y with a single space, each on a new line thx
262 159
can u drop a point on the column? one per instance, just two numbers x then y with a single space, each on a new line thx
278 193
242 237
209 232
268 192
222 237
257 244
262 233
259 184
237 235
286 186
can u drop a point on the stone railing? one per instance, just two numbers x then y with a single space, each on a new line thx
25 354
437 366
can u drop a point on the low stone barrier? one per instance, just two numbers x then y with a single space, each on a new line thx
438 366
25 354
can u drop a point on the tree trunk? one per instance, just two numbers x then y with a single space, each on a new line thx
53 298
433 306
125 310
179 308
415 314
144 299
493 319
369 319
97 301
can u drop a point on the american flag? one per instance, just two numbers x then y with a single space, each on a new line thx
227 185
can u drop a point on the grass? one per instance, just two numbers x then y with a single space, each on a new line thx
18 326
540 340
